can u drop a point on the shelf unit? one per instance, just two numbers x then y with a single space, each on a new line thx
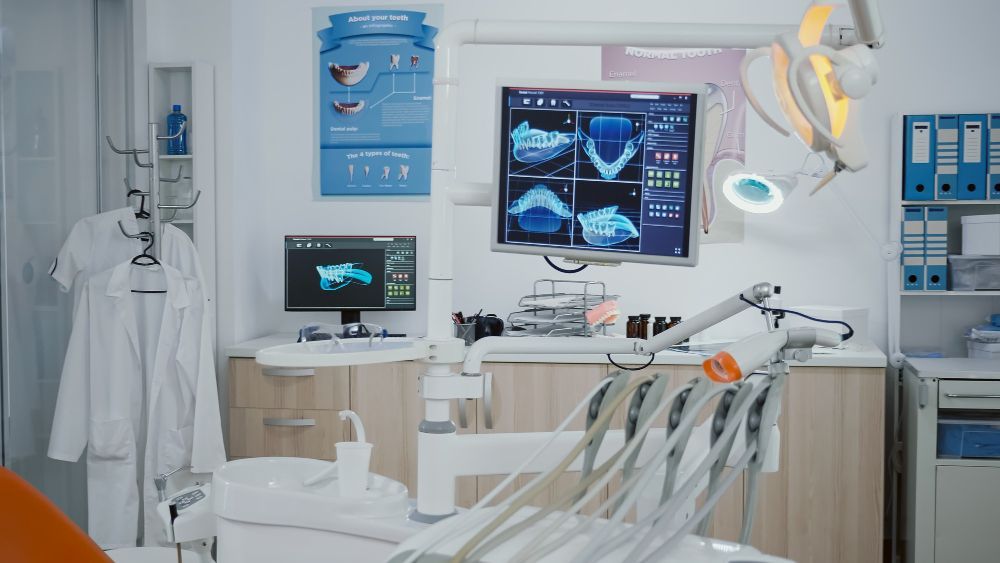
192 85
928 324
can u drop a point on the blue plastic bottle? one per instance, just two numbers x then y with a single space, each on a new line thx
174 122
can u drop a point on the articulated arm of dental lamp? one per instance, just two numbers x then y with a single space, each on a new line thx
756 294
746 356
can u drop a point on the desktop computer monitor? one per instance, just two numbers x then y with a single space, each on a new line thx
350 274
599 171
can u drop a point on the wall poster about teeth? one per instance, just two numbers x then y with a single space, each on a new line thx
725 117
375 70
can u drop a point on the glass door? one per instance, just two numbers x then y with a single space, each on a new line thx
50 179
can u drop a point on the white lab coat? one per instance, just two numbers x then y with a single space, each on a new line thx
138 383
96 243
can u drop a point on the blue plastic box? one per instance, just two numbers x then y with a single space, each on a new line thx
968 438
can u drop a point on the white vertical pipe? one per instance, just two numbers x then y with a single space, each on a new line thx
154 189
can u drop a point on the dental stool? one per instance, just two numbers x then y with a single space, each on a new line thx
33 530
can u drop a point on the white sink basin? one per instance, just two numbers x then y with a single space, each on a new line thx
344 352
270 489
266 514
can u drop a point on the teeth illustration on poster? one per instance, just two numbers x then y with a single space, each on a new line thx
372 112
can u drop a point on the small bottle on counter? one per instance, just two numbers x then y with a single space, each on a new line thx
674 321
644 325
632 327
659 325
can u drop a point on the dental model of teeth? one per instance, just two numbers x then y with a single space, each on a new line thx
404 172
336 276
349 108
393 62
606 313
385 173
348 75
605 226
537 145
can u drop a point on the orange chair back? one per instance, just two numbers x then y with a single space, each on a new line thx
33 530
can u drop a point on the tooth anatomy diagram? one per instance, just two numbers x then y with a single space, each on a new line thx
338 276
536 145
374 84
610 144
348 75
605 227
540 210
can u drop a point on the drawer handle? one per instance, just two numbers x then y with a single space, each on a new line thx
289 422
289 372
968 396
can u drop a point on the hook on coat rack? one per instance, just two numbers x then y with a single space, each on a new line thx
175 179
174 136
117 150
197 195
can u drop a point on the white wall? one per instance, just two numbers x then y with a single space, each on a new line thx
934 61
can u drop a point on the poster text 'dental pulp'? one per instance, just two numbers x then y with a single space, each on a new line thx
376 70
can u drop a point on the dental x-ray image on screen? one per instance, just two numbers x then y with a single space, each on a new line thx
605 172
350 273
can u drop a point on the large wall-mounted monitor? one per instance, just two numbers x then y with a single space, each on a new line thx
350 274
599 171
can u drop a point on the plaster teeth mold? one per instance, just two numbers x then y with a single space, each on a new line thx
606 227
609 144
349 108
348 75
537 145
337 276
540 210
604 314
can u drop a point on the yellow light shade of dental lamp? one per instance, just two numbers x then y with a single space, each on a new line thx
815 85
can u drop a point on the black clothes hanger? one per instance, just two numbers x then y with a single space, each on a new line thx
141 213
147 259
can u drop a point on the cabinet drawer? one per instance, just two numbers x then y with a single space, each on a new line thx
257 386
965 394
285 432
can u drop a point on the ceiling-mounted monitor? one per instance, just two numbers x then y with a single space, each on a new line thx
599 171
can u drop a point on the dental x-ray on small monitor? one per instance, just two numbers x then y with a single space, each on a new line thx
599 171
350 274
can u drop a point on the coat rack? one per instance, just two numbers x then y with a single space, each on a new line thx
153 193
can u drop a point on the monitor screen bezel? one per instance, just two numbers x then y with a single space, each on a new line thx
331 309
696 174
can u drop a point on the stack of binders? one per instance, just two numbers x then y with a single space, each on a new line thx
951 156
925 248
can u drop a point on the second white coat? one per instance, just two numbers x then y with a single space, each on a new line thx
138 391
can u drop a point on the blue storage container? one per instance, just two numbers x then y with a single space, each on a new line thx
968 438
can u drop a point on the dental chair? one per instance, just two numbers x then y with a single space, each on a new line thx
33 530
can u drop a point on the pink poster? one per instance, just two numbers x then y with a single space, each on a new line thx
725 116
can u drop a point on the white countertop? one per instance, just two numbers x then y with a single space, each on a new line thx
868 357
954 368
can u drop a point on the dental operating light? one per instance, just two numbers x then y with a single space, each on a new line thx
818 87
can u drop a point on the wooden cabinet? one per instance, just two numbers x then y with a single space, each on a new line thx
823 505
286 412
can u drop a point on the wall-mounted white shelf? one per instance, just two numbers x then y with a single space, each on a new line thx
192 85
926 203
949 293
917 322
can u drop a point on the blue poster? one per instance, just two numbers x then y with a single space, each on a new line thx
376 70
